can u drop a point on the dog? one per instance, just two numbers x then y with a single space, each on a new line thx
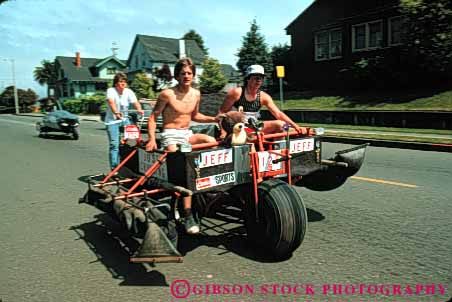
232 125
237 137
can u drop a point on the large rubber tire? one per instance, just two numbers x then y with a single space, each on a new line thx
282 219
75 133
38 129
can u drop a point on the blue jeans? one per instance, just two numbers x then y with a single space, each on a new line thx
113 139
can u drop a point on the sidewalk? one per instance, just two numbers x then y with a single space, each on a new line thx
331 137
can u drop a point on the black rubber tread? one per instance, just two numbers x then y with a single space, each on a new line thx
75 133
301 217
282 218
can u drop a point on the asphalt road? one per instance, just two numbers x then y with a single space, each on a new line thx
386 230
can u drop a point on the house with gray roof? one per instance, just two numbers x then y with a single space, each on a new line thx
78 76
150 53
232 75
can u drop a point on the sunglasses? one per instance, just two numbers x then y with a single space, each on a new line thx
257 77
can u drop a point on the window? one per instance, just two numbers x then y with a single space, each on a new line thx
136 61
367 35
143 59
101 86
65 92
111 70
328 44
83 88
395 30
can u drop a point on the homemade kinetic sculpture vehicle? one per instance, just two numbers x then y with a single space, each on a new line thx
257 177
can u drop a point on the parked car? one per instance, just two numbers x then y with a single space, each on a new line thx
148 106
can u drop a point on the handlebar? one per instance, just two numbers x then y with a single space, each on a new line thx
286 157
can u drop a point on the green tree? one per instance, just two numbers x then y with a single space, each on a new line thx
280 54
163 77
26 98
142 86
212 79
46 74
254 50
280 57
428 38
193 35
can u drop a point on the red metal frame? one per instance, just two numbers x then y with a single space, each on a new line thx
261 140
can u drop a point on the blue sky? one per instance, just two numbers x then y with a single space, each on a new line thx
33 30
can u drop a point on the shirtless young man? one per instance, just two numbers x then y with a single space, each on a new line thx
179 105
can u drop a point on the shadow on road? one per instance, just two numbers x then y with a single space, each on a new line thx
113 247
314 216
224 231
55 136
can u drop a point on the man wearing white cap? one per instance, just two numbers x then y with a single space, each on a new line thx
251 98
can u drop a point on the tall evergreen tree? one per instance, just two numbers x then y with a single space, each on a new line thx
254 50
280 54
212 79
193 35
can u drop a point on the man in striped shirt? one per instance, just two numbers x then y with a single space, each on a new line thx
252 98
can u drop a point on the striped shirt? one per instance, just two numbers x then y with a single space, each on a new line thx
249 106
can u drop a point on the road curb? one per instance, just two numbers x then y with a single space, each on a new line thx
389 143
81 117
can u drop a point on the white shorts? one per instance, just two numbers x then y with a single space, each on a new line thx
175 137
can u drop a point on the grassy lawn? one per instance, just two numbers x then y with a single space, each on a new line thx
385 129
417 139
387 133
406 100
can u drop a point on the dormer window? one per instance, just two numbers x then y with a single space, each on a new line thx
111 70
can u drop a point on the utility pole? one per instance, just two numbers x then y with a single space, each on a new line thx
16 98
13 70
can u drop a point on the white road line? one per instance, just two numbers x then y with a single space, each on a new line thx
386 182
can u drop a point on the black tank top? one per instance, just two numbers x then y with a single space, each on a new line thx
253 106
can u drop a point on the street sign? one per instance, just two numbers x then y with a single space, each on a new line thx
280 75
280 71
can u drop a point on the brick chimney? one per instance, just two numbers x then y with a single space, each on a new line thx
182 53
78 62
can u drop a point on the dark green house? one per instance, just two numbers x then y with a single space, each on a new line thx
77 76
